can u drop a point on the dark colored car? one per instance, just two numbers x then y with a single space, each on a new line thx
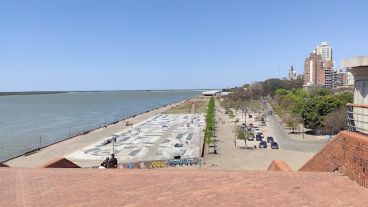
243 126
178 145
270 139
250 116
259 137
263 144
274 145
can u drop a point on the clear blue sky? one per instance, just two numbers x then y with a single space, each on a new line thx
168 44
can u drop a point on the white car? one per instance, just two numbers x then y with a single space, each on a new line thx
256 130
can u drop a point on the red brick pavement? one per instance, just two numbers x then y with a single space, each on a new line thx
94 187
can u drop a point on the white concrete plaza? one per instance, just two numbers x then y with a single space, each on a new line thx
160 137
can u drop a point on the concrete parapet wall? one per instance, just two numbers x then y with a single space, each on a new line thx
346 153
279 165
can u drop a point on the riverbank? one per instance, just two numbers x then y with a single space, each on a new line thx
63 148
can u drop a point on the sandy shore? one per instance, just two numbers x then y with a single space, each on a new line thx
68 146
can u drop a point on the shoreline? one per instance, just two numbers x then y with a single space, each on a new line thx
62 148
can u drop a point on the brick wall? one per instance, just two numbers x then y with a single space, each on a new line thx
279 165
346 153
60 163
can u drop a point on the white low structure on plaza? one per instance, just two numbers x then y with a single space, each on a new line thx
162 137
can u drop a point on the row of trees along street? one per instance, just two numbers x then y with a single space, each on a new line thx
319 109
209 132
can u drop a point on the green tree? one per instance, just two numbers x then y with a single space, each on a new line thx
209 131
291 121
316 108
243 135
335 121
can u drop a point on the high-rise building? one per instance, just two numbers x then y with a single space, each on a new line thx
319 67
292 73
314 73
325 50
328 78
334 78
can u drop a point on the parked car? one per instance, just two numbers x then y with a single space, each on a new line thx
256 119
250 116
178 145
262 144
251 125
256 130
243 126
270 112
270 139
259 137
274 145
263 123
251 138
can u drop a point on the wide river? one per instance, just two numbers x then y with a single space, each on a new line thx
26 118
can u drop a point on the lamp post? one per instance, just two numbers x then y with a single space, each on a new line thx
113 145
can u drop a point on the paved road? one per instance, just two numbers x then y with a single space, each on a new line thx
288 143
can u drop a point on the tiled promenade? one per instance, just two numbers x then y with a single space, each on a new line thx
154 139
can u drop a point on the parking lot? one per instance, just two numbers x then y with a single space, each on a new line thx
164 136
263 128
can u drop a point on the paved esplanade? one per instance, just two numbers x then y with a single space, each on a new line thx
231 157
66 147
161 137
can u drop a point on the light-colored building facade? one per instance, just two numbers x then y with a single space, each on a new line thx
292 73
325 50
349 79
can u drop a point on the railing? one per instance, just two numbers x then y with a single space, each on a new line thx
357 118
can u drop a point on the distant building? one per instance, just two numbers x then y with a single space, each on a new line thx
349 79
342 78
292 73
325 50
335 79
211 93
328 78
319 67
300 77
314 73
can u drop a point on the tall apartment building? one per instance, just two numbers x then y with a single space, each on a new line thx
292 73
318 67
314 73
325 50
